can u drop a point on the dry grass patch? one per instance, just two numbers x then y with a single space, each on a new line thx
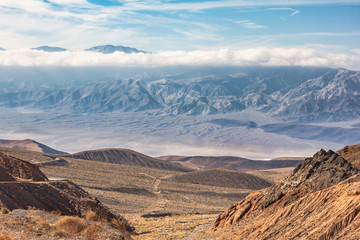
4 210
70 225
91 215
119 224
188 226
6 236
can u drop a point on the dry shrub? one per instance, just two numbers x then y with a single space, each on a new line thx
32 208
58 213
4 210
119 224
90 215
6 236
92 232
70 225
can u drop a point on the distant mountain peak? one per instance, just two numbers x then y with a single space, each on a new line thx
2 49
107 49
29 145
50 49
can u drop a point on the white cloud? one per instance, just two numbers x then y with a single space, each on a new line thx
241 57
293 11
198 6
356 51
246 24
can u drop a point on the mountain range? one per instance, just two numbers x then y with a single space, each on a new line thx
332 96
272 107
105 49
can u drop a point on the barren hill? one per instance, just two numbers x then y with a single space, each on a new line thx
126 157
319 200
235 163
222 178
30 145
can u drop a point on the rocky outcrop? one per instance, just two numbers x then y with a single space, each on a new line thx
20 169
298 202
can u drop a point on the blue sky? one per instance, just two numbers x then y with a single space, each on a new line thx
180 25
171 25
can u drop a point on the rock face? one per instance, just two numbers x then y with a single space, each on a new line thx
20 169
298 206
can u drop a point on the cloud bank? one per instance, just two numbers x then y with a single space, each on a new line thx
242 57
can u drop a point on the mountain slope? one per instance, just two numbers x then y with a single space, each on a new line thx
331 97
308 199
30 145
126 157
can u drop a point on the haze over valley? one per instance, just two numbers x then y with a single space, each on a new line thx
255 112
175 119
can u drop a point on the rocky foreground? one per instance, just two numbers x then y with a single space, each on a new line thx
319 200
24 186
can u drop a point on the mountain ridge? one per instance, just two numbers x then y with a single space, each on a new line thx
29 144
108 49
272 95
297 201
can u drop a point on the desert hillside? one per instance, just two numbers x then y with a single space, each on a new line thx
30 145
235 163
126 157
222 178
319 200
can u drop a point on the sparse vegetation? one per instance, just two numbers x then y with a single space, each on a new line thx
70 225
91 215
6 236
4 210
119 224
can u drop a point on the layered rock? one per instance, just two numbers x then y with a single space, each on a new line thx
318 200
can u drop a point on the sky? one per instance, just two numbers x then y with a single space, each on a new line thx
240 32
